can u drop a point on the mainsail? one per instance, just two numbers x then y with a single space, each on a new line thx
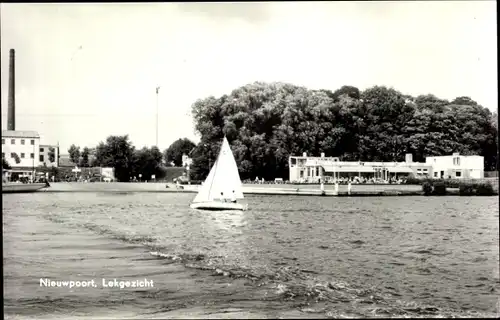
223 177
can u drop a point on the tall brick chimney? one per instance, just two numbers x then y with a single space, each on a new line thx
11 113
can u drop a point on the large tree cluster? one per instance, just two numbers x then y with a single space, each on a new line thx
266 123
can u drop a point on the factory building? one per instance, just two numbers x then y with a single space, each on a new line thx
21 149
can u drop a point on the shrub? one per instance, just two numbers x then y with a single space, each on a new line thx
452 183
413 180
427 188
466 189
485 189
439 189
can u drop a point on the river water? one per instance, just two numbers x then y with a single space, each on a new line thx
287 257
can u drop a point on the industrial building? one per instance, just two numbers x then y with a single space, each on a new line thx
20 148
316 169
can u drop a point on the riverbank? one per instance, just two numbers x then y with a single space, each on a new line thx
299 190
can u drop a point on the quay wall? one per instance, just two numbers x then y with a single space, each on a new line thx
247 189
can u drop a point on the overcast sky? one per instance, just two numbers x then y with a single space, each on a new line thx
194 50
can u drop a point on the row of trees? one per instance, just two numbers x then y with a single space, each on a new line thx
265 123
119 153
80 158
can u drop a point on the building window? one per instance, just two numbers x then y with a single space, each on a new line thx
3 141
41 149
32 142
41 158
317 171
12 141
458 174
22 155
456 161
22 142
32 155
12 155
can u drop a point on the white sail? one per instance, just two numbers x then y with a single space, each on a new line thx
204 193
223 178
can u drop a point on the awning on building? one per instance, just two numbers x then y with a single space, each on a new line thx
354 169
400 170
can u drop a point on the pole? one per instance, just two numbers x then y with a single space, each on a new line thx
157 90
33 164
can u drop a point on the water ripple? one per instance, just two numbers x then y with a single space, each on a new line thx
361 257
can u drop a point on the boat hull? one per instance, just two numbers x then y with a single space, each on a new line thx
22 187
219 206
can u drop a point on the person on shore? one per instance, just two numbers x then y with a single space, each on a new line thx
222 199
349 186
233 197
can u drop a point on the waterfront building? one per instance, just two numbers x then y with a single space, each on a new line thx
457 166
21 150
24 153
316 169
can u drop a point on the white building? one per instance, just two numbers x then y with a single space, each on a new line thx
44 158
313 169
24 144
457 166
108 173
186 160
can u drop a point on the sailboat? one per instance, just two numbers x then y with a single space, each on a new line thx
223 182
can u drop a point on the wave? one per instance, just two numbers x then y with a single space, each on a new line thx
131 237
302 287
305 290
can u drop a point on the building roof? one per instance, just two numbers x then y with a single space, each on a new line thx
20 134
